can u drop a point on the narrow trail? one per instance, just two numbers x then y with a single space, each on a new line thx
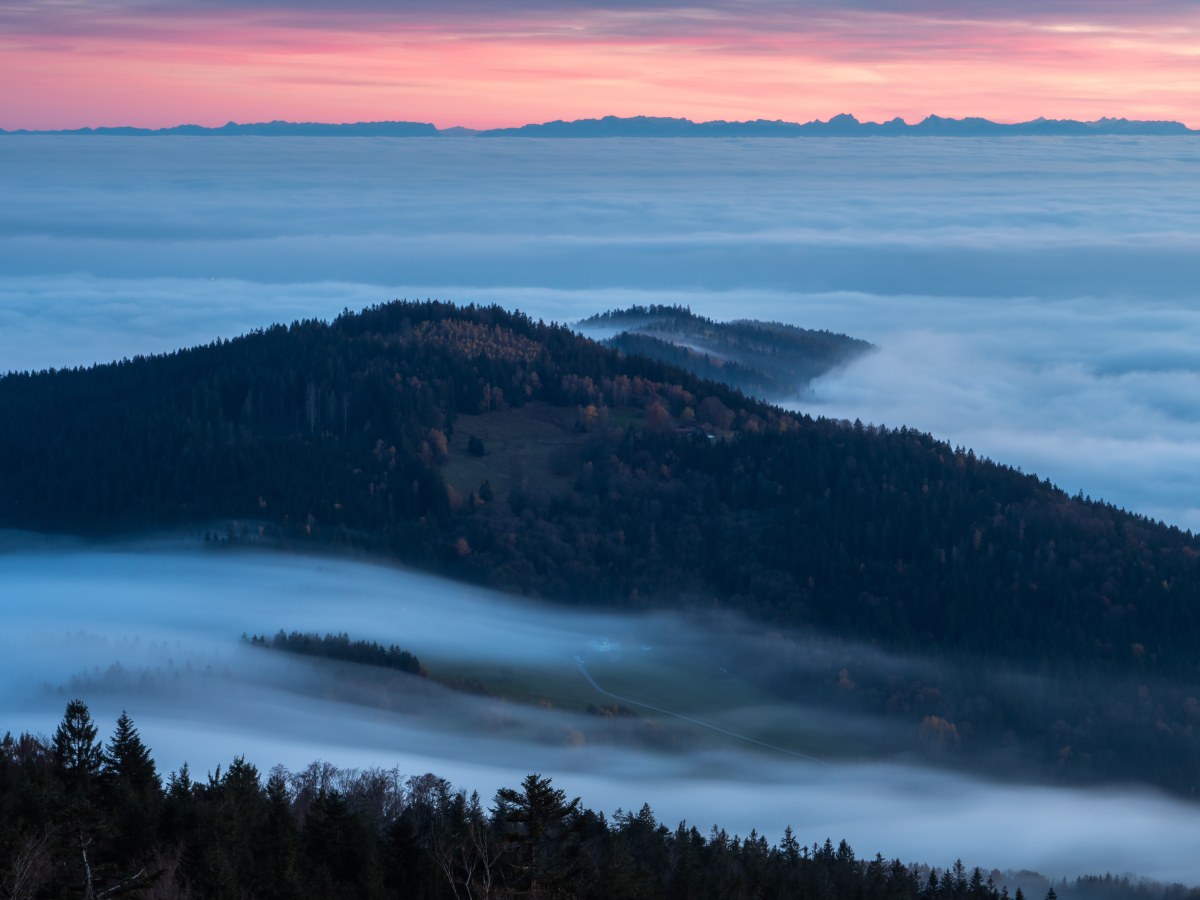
666 712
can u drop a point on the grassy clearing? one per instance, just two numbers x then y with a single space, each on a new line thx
683 683
555 685
527 446
535 447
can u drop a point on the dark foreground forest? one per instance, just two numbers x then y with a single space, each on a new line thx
85 818
520 455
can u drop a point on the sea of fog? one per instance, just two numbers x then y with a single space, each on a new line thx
1033 298
154 629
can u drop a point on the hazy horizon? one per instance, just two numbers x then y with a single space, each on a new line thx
217 122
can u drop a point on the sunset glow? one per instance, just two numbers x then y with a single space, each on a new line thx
126 62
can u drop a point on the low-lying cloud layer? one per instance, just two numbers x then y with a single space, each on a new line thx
1031 298
170 617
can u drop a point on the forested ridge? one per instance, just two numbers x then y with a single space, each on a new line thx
338 647
655 488
84 817
771 360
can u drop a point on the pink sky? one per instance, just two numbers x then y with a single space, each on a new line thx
483 64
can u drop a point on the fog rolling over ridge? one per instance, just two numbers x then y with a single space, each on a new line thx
168 619
1032 298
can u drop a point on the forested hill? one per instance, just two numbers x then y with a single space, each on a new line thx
764 359
524 456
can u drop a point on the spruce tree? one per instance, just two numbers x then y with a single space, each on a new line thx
77 754
539 823
127 760
132 791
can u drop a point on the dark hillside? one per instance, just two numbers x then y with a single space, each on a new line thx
521 455
652 485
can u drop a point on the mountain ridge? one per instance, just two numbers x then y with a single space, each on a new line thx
842 125
479 443
770 360
366 422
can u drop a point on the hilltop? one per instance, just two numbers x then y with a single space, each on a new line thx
771 360
494 448
592 475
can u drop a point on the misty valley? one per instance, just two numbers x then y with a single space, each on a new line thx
728 610
357 605
155 629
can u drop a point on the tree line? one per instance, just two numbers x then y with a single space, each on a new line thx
85 818
338 647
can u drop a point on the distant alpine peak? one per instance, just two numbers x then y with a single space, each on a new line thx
840 125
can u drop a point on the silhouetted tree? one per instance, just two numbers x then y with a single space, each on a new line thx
77 754
538 823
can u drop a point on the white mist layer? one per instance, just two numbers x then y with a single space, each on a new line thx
171 618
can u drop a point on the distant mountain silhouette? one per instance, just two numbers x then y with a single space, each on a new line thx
843 125
262 129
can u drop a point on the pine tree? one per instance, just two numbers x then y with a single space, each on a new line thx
131 790
932 886
179 785
279 842
789 847
539 823
77 753
127 760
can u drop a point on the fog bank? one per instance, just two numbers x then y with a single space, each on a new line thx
1032 298
155 631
